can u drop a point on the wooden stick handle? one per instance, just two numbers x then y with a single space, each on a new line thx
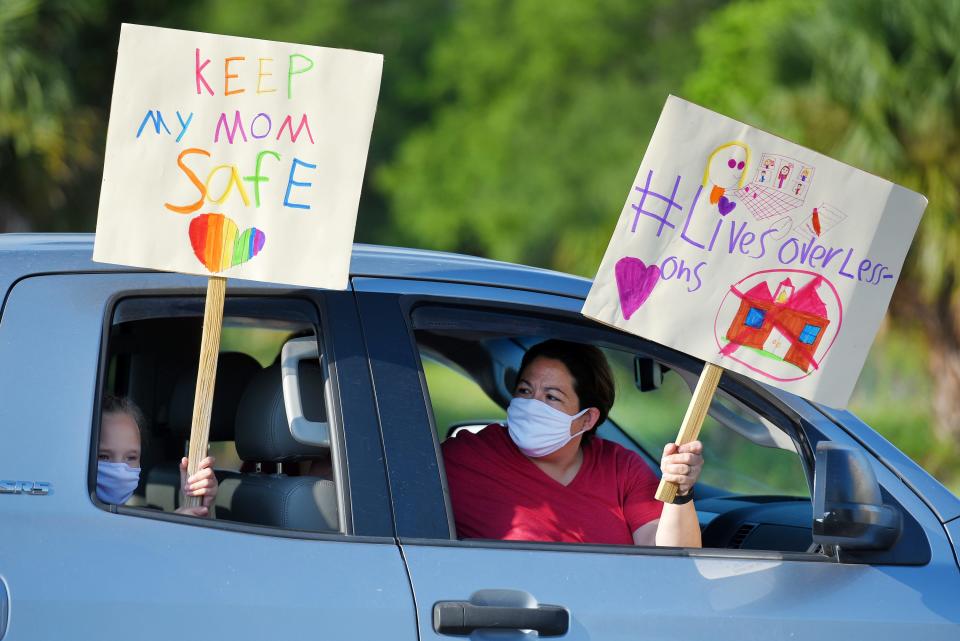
693 420
206 378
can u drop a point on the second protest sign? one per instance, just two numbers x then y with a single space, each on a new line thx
755 255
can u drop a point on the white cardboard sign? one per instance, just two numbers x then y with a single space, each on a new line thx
755 254
235 157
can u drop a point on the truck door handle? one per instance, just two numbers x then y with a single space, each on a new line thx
463 617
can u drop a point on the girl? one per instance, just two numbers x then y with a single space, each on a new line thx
118 460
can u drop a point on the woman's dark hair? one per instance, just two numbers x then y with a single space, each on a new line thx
592 378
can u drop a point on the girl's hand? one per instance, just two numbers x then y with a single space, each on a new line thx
203 483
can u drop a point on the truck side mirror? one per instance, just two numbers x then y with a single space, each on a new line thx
848 511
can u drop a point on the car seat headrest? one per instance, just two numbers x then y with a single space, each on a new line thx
263 430
234 371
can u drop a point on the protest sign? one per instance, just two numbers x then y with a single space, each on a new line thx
755 255
234 157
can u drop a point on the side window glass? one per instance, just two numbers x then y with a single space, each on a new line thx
753 456
753 492
457 401
744 453
262 345
264 476
651 419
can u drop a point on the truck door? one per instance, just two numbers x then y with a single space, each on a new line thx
76 567
758 577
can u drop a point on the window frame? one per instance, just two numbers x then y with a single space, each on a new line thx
356 522
384 303
749 393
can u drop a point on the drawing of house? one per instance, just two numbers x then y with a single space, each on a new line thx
788 324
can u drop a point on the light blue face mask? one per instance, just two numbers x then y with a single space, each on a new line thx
116 482
538 429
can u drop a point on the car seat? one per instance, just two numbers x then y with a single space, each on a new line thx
263 435
234 372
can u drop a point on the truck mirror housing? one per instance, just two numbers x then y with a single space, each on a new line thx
848 510
647 373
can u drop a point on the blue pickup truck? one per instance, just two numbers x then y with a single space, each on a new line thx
333 520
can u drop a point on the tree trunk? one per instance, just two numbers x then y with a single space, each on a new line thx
939 319
945 362
945 368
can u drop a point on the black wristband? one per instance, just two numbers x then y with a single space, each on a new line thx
686 498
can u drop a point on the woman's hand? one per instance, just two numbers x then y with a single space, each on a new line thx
203 483
681 464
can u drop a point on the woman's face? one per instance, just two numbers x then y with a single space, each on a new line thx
549 381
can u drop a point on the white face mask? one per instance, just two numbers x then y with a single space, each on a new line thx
116 482
538 429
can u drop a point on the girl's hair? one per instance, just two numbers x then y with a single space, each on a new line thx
592 378
112 404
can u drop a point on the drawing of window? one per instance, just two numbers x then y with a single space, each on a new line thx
809 334
755 318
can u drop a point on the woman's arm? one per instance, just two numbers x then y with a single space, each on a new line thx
678 525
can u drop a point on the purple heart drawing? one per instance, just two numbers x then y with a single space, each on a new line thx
725 205
635 282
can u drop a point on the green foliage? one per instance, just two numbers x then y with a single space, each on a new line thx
45 134
545 109
513 128
746 57
402 31
892 397
57 60
873 83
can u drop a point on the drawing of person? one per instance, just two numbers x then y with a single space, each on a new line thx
784 172
726 169
797 189
763 175
804 174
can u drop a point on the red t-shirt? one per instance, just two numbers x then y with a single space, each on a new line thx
498 493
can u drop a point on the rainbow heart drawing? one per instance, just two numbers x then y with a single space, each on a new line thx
219 244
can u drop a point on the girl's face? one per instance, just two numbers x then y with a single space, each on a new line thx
119 439
549 381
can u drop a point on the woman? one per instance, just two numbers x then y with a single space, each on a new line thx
547 477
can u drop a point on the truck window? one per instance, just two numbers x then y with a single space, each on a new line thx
753 492
747 454
266 477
